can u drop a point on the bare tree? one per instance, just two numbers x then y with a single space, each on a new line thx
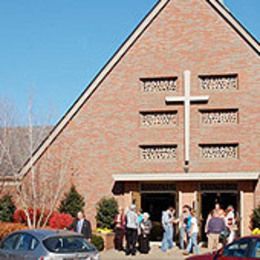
41 188
8 165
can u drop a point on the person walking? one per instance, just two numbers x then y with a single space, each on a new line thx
216 225
82 226
119 229
145 227
131 230
193 235
167 224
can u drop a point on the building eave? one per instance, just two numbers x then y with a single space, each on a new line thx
196 176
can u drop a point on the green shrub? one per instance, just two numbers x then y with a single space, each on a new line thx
255 220
107 209
7 208
72 203
98 242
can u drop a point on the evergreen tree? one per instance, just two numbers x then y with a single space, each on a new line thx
107 209
256 218
72 203
7 208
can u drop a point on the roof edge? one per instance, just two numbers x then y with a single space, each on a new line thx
125 46
235 23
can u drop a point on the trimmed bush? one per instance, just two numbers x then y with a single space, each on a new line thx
107 209
60 220
20 216
7 208
7 228
98 242
255 219
72 203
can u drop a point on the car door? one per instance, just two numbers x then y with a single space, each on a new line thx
255 249
7 247
24 247
236 251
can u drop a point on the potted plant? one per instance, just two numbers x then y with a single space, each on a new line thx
107 209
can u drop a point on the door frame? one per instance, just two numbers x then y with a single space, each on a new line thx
223 191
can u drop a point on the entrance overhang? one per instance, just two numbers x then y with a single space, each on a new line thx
196 176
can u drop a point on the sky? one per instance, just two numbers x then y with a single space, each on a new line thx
51 49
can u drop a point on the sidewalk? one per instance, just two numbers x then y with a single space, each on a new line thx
155 254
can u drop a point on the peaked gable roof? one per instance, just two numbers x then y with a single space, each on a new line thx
123 49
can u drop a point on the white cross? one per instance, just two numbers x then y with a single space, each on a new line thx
187 99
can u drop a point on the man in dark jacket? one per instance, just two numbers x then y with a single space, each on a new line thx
82 226
215 227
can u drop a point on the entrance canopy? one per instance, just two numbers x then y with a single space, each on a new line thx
196 176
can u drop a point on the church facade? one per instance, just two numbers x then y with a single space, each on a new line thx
172 118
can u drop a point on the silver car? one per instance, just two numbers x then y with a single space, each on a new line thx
47 245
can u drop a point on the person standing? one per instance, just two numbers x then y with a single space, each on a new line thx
82 226
230 223
145 227
139 220
219 211
183 226
167 224
119 229
131 230
193 235
216 225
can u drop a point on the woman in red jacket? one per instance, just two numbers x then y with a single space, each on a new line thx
119 229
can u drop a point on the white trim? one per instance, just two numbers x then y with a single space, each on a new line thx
242 213
110 65
198 176
180 202
187 99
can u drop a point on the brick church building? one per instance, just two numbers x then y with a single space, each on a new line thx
172 118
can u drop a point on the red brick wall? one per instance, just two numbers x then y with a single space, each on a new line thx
105 133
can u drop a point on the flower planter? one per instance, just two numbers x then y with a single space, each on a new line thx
108 240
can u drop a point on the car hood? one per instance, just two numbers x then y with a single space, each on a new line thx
206 256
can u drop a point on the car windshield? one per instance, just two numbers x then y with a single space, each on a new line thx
68 244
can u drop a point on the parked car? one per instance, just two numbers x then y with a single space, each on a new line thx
47 245
243 248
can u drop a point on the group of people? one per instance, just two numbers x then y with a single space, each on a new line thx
188 229
220 224
136 227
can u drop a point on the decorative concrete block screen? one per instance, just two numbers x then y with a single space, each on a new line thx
151 85
158 152
219 151
219 83
158 118
219 116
